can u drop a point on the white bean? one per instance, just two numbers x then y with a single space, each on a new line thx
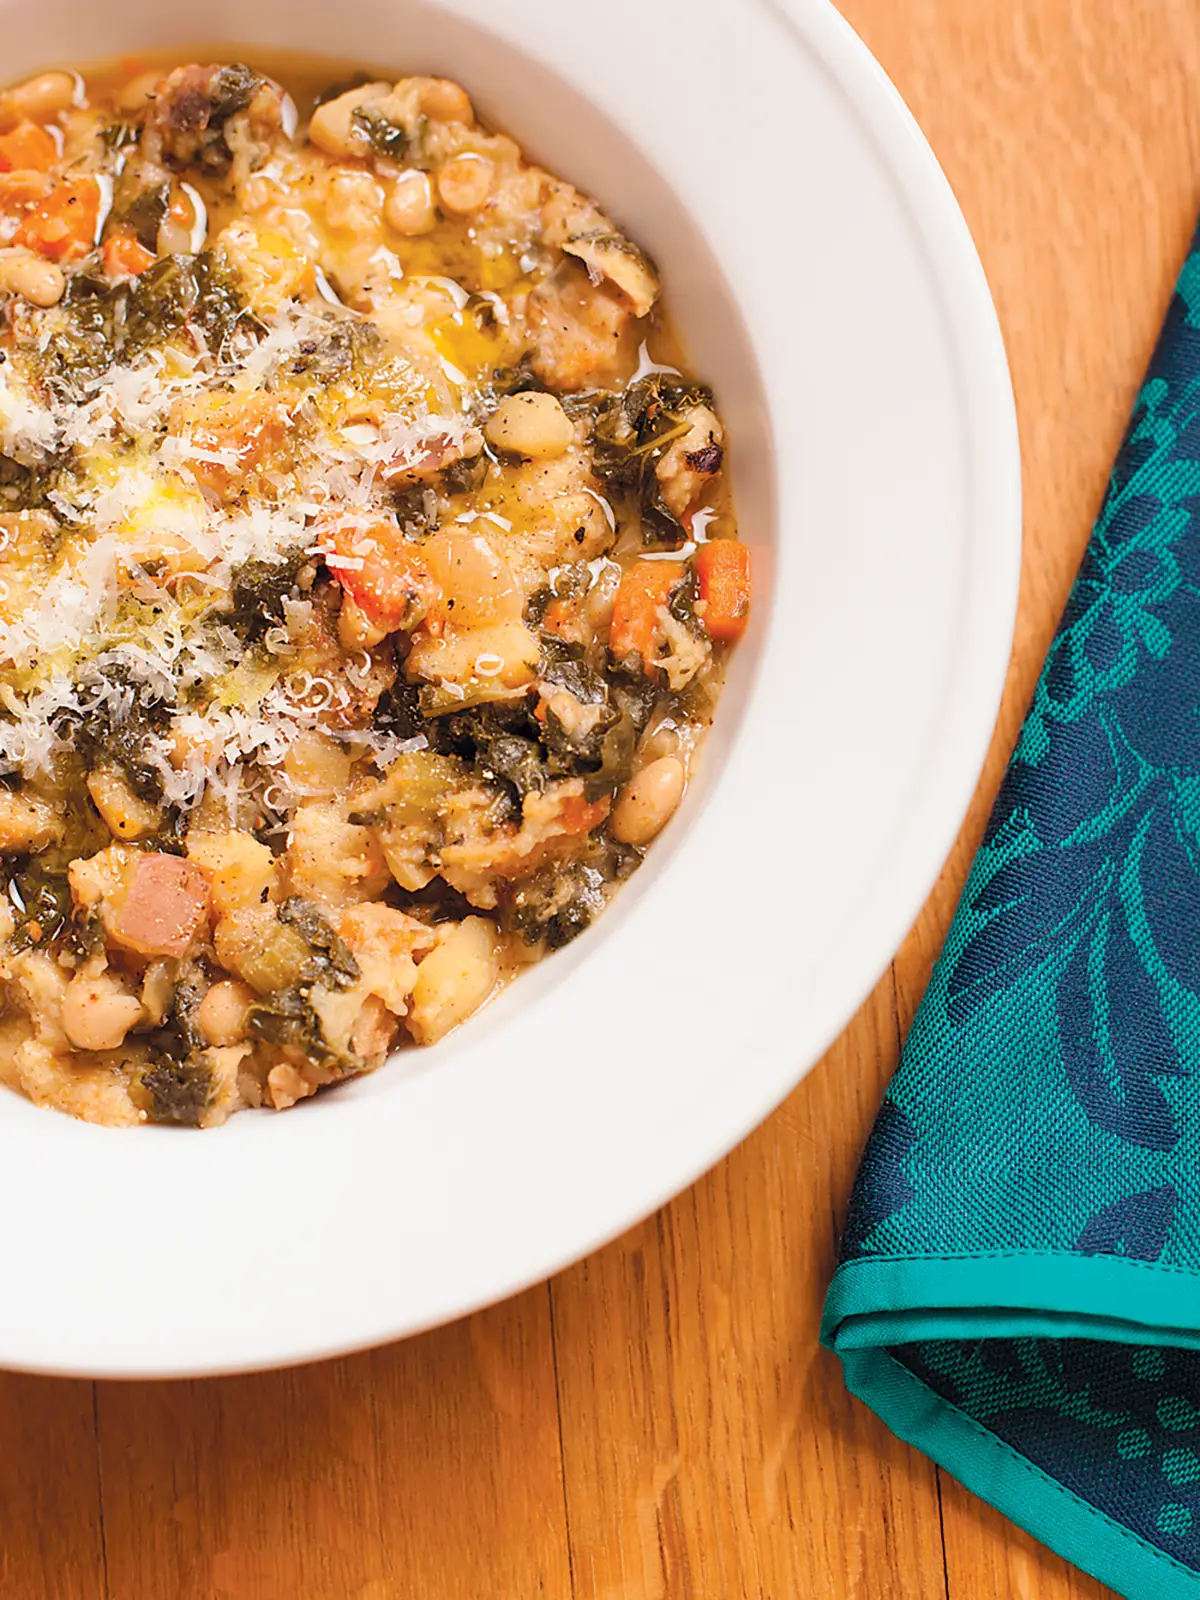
465 183
24 273
478 584
409 207
532 424
455 979
41 97
138 92
97 1013
221 1015
648 801
442 99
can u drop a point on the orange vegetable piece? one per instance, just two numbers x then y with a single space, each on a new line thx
27 148
64 225
245 433
125 256
644 587
558 616
384 574
181 210
723 570
578 815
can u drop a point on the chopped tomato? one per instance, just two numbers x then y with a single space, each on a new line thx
723 571
64 225
27 148
645 587
125 256
383 573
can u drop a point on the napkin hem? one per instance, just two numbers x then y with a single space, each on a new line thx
884 1300
1021 1491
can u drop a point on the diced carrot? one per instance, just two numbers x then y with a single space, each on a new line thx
27 148
383 573
557 616
167 901
723 570
644 588
125 256
63 226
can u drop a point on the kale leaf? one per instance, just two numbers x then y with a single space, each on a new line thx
40 895
331 961
288 1019
177 1087
343 347
143 210
259 589
502 742
98 323
388 138
174 1091
630 434
117 728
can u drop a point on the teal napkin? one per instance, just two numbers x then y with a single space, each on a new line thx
1019 1290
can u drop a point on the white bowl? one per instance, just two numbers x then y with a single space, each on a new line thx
828 288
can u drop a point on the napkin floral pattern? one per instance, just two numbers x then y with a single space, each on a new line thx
1032 1186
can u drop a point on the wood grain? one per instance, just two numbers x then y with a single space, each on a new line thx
658 1423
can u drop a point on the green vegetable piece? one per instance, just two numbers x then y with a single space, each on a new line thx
232 91
118 728
503 742
331 961
174 1091
388 138
259 589
40 897
144 211
564 665
178 291
630 434
555 905
345 347
288 1019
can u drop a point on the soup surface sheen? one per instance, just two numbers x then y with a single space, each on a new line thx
366 573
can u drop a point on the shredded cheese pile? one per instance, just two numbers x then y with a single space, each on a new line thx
135 606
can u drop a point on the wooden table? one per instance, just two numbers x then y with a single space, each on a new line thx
658 1422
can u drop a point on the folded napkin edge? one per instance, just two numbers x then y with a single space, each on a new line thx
877 1301
987 1466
